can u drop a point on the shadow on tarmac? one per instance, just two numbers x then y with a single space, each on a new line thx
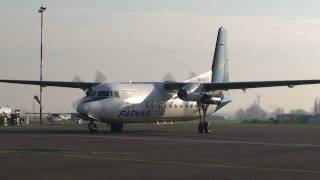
75 131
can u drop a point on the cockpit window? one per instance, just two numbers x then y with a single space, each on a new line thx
103 94
92 93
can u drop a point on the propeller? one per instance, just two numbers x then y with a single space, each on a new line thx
77 79
168 77
192 74
75 103
100 77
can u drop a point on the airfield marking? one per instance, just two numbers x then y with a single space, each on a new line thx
191 140
194 164
96 155
197 140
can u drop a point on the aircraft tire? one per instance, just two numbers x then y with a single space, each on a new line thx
92 127
200 127
116 127
91 131
206 127
120 125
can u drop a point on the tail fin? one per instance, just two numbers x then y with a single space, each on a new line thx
220 60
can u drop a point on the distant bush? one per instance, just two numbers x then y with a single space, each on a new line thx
252 121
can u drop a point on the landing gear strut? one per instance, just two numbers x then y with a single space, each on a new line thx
116 127
92 127
203 126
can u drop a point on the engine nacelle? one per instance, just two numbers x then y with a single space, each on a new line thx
203 97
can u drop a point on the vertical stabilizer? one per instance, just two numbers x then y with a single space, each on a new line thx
220 60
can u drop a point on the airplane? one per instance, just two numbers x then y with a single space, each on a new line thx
140 102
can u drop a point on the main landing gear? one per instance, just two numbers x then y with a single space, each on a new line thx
203 126
92 127
116 127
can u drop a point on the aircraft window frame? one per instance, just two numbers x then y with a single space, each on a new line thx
92 93
116 94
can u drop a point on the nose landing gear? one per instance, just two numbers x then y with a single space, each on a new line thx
92 127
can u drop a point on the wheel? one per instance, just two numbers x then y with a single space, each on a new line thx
91 131
200 127
92 127
120 127
116 127
206 127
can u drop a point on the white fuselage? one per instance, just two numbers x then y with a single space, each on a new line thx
137 102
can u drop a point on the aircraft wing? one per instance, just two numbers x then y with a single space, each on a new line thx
241 85
176 85
81 85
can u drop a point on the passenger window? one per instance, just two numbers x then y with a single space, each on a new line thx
116 94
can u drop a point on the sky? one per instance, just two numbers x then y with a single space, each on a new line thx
142 40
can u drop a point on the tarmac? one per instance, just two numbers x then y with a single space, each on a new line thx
148 151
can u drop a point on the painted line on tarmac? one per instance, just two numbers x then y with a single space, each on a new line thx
177 163
197 141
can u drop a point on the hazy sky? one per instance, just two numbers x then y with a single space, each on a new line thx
144 39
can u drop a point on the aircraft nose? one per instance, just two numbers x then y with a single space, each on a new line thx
83 108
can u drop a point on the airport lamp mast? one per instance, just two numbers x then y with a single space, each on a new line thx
41 10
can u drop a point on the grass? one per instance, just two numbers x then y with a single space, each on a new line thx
57 123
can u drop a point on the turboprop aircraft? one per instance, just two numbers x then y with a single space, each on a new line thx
140 102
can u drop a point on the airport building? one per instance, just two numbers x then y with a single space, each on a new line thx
8 117
299 118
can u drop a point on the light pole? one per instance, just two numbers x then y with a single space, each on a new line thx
34 113
41 10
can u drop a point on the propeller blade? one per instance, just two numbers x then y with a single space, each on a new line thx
100 77
192 74
168 77
75 104
77 79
